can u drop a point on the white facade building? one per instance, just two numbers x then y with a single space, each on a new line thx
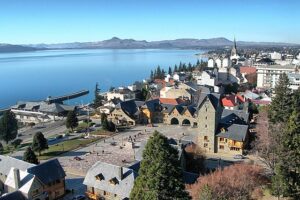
267 75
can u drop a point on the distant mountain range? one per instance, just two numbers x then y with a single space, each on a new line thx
117 43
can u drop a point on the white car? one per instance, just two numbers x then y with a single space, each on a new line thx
238 156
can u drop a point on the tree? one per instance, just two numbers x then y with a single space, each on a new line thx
175 68
30 157
281 106
103 117
1 147
170 71
72 120
160 174
286 181
39 143
195 159
98 98
8 126
108 125
145 94
152 75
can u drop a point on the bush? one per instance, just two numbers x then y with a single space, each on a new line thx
237 181
1 147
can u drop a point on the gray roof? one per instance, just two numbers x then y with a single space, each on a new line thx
213 97
17 195
234 116
236 132
43 106
108 172
7 162
42 171
55 108
167 108
152 105
130 107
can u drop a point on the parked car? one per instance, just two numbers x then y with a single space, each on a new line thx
238 156
59 137
79 197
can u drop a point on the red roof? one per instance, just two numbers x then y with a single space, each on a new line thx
232 100
247 70
171 101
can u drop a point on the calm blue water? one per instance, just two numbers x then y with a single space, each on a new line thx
36 75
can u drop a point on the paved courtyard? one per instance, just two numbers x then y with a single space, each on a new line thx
118 149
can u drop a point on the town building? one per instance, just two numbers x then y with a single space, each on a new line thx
232 133
107 181
268 75
33 181
40 111
122 93
233 102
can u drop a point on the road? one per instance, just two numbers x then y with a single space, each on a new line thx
49 129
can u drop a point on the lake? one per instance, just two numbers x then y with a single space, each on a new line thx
36 75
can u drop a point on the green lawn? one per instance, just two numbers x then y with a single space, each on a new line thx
65 146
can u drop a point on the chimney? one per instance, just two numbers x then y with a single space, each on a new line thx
120 173
17 178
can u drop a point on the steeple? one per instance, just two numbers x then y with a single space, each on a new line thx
234 49
234 43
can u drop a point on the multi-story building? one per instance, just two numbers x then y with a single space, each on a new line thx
107 181
267 75
33 181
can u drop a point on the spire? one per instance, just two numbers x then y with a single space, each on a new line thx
234 50
234 43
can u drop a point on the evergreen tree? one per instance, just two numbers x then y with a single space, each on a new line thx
103 117
175 68
152 75
170 71
108 125
98 98
162 76
160 174
145 93
286 181
158 72
72 120
8 126
190 68
30 157
281 106
39 142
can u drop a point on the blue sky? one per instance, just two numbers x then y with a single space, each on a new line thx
55 21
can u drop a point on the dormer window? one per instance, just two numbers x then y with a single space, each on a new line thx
113 181
99 177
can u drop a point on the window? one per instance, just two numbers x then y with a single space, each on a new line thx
205 145
99 177
222 139
205 117
221 147
205 138
205 125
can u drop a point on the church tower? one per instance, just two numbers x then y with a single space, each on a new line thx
234 50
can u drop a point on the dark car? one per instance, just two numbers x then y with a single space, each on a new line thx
79 197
